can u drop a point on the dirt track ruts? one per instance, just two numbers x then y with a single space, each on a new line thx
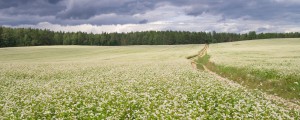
201 53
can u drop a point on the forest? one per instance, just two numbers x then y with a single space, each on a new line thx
13 37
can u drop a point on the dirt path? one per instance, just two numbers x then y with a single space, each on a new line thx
288 104
201 53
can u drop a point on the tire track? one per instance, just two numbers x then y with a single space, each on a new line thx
201 53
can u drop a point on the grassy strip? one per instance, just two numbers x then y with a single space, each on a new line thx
269 81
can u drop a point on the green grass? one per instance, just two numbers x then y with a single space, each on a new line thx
270 65
201 61
269 81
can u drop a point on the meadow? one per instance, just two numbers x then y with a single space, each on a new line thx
122 82
270 64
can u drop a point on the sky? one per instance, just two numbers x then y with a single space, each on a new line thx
97 16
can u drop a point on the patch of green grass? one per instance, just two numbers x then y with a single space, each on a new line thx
202 61
270 81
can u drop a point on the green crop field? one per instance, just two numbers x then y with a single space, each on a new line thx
271 64
129 82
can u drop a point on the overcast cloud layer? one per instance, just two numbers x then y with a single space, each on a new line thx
141 15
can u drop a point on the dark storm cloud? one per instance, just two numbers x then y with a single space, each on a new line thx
121 11
53 1
248 9
86 9
73 11
12 3
143 21
30 7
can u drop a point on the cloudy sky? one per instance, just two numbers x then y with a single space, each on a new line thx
141 15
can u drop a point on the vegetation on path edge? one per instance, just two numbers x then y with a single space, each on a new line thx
270 81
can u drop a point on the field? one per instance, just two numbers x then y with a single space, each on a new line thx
122 82
271 64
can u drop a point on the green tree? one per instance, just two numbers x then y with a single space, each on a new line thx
252 35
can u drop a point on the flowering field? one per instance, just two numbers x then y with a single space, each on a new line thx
127 82
277 61
281 55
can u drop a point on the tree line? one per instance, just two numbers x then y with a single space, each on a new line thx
12 37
